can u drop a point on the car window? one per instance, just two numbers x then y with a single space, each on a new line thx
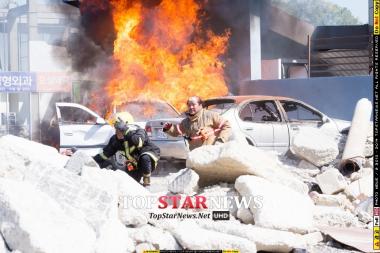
260 111
245 113
296 112
73 115
219 106
264 111
144 111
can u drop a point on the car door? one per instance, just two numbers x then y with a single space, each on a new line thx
257 120
82 128
300 115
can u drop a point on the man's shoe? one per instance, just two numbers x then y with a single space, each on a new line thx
146 180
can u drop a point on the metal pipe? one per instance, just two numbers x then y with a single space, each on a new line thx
353 154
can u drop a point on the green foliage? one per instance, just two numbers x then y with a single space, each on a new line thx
317 12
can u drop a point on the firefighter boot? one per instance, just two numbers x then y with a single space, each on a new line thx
146 180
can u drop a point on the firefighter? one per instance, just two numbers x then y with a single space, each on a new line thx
201 126
141 154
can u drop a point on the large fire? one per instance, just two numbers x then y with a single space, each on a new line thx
162 53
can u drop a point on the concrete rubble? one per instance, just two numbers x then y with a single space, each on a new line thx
296 208
53 203
185 181
34 224
331 181
314 146
200 238
225 163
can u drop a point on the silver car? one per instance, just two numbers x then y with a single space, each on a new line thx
267 122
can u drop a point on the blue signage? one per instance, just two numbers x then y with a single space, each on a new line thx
17 82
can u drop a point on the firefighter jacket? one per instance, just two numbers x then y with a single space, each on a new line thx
134 144
204 128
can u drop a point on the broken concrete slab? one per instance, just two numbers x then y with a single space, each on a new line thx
222 193
43 167
184 181
340 200
77 196
78 160
201 238
159 238
245 215
334 217
364 172
296 209
331 181
114 238
314 146
357 238
269 240
312 238
16 154
368 163
360 189
124 190
31 221
132 217
226 162
307 165
366 206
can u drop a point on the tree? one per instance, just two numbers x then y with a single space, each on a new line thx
317 12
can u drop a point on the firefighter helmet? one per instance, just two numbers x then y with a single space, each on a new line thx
120 120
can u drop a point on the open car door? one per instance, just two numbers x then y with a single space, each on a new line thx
82 128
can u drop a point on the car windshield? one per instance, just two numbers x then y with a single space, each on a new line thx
147 110
219 105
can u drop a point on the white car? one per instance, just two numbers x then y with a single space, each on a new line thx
76 126
267 122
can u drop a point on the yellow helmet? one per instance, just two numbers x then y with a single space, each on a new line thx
124 116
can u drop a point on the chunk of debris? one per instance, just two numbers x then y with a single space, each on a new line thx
266 239
354 237
185 181
307 165
16 154
245 215
314 146
114 238
226 162
332 200
78 160
360 189
157 237
224 194
31 221
201 238
364 172
331 181
334 217
296 209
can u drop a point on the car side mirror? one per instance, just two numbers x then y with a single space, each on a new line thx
325 119
100 121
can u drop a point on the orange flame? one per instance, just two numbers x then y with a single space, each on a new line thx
162 53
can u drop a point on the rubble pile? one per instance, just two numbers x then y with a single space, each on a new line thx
52 203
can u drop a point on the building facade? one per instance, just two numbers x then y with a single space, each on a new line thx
33 63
